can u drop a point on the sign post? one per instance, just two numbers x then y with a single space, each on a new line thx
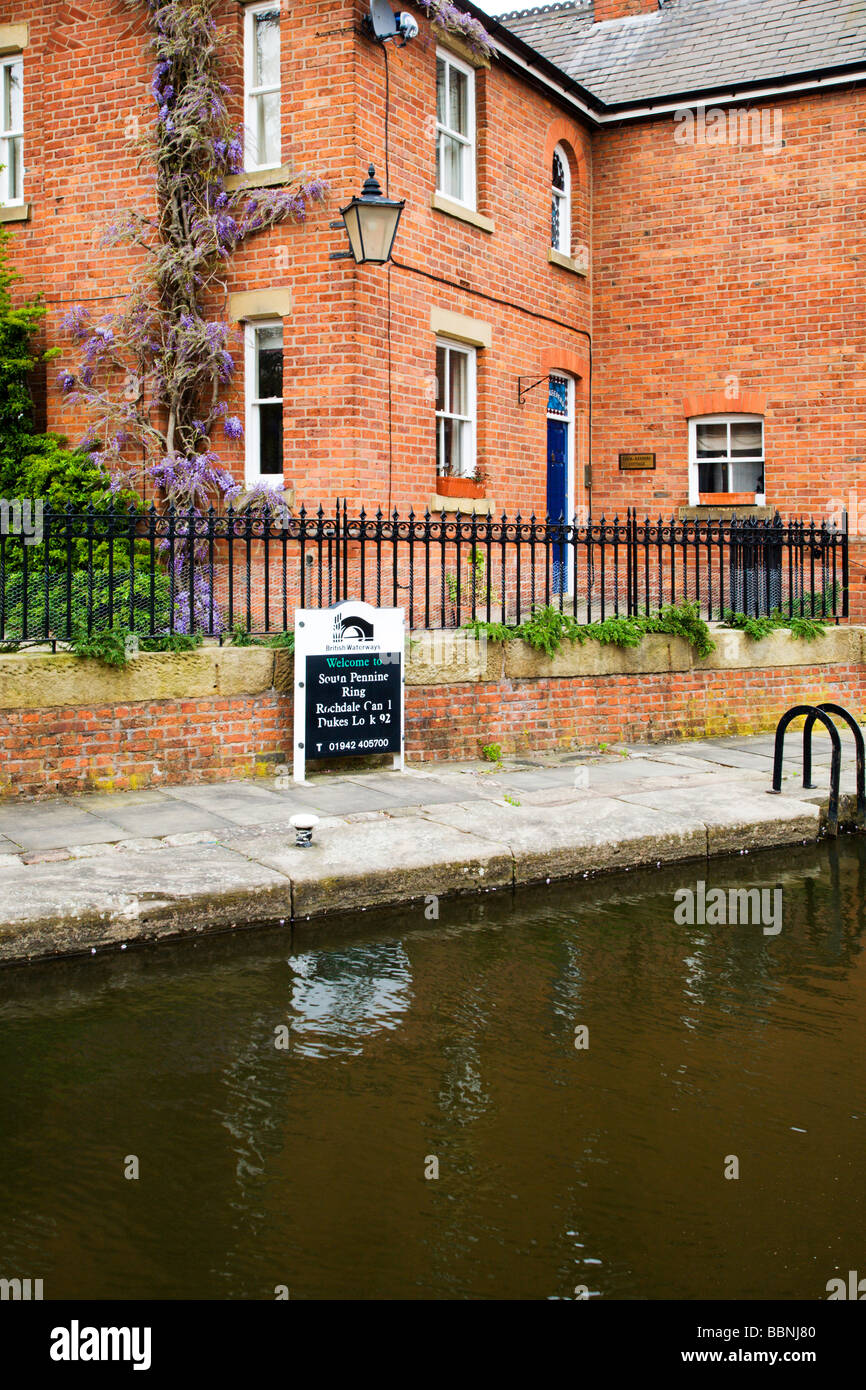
349 683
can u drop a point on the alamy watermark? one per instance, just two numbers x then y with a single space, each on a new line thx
717 907
22 516
77 1343
20 1290
848 512
854 1288
737 125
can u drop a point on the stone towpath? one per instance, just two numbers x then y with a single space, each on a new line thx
95 871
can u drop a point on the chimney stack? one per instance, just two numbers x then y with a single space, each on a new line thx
619 9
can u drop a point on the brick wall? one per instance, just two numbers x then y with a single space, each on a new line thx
87 76
719 272
145 743
124 746
729 274
534 715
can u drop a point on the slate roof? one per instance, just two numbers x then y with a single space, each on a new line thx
689 46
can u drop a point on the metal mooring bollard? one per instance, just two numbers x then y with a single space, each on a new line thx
304 825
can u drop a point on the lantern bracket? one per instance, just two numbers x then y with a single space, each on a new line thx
523 391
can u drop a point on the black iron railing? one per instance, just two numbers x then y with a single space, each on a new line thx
170 571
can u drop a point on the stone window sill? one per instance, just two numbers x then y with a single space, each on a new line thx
240 503
705 511
260 178
18 212
270 303
485 505
566 262
452 209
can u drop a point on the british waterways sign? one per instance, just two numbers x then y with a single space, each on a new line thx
348 683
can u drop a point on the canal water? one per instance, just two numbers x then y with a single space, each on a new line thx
413 1044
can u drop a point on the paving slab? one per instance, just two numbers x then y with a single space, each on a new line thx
373 862
105 869
100 802
735 818
605 782
398 790
46 910
343 799
729 757
50 826
165 817
211 796
590 835
248 811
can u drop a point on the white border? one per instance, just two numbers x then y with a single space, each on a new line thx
311 628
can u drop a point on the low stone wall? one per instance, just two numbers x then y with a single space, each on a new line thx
71 725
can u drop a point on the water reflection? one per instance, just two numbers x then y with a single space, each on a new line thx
342 998
558 1167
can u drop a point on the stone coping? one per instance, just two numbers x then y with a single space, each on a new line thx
37 679
139 890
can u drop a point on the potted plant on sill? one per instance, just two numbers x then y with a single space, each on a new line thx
455 485
726 499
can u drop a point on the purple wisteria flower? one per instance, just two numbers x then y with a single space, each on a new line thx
76 321
154 372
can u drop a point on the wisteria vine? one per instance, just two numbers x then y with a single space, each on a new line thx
443 14
154 375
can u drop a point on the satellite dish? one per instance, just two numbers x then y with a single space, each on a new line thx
383 20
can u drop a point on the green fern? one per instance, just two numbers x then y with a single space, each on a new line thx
806 629
548 627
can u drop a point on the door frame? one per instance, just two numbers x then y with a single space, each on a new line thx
570 422
570 426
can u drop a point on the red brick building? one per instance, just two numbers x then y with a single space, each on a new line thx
637 230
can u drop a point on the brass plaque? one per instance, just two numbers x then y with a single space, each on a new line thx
630 462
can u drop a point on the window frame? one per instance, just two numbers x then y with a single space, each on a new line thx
253 94
8 61
471 418
563 196
734 417
252 401
468 141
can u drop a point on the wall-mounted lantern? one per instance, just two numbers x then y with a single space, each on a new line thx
371 224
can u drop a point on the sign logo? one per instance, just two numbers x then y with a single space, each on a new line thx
351 627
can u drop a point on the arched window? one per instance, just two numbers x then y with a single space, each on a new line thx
560 208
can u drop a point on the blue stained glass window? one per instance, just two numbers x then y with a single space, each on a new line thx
557 400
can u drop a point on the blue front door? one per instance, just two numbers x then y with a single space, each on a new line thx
557 488
557 468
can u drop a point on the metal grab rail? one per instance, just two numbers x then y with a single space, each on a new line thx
859 744
813 712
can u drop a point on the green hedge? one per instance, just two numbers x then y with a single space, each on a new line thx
89 607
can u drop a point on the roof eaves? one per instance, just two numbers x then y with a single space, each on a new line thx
531 57
697 96
641 107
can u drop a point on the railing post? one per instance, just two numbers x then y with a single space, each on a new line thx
46 541
89 573
630 562
844 566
